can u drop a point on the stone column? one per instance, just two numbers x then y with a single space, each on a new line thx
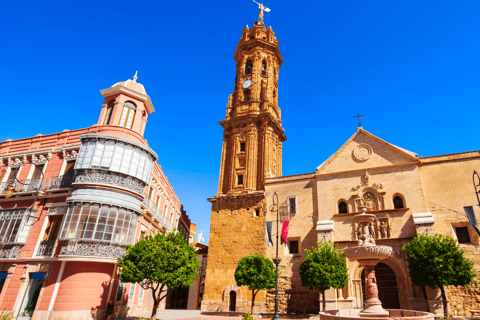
222 166
232 163
251 162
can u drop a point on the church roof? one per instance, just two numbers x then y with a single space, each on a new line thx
132 84
407 155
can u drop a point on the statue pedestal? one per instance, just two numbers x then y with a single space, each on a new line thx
373 306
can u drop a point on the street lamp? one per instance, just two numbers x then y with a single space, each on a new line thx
277 261
476 184
11 188
469 209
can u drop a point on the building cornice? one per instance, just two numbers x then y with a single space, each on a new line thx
145 98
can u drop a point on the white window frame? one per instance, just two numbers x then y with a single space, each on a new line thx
130 293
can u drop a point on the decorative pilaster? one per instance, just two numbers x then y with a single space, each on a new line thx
222 167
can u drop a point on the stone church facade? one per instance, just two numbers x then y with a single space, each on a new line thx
409 196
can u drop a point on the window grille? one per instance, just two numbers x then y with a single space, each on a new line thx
462 235
293 205
11 222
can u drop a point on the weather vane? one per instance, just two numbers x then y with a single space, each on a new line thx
262 8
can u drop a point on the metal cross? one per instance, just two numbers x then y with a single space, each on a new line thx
359 116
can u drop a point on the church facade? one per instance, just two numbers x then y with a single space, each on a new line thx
408 195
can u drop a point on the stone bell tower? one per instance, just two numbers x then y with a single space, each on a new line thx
253 133
251 152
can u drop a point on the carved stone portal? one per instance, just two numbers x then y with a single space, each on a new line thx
381 228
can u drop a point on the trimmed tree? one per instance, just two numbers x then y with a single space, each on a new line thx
437 261
256 272
323 268
160 261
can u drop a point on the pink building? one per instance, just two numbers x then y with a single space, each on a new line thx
100 188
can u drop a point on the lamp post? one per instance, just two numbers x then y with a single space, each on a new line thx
476 184
277 261
11 188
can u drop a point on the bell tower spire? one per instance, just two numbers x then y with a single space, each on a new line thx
253 133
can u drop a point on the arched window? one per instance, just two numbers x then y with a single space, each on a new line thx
127 115
248 67
264 67
398 203
274 92
342 207
246 95
108 116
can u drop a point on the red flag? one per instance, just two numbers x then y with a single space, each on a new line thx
285 231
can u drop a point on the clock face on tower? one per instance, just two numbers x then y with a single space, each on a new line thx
246 84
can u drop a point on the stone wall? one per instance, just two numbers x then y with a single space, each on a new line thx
235 232
293 297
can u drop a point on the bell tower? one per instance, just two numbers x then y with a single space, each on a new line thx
251 152
253 133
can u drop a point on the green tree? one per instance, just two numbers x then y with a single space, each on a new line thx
256 272
160 261
437 261
324 267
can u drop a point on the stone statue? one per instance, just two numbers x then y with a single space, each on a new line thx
383 229
371 285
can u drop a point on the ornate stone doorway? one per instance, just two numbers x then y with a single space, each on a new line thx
233 301
387 286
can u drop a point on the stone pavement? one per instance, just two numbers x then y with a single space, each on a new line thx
170 314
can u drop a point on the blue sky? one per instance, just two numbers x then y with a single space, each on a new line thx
411 67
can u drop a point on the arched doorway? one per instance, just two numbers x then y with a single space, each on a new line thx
233 301
387 286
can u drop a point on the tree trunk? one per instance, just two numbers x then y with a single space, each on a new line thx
253 300
157 297
323 300
156 303
445 303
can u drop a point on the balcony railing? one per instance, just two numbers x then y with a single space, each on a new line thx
46 248
10 250
61 182
92 248
29 185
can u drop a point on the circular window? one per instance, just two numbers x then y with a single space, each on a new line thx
362 152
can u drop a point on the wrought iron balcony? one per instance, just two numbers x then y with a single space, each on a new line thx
29 185
46 248
10 250
61 182
92 248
